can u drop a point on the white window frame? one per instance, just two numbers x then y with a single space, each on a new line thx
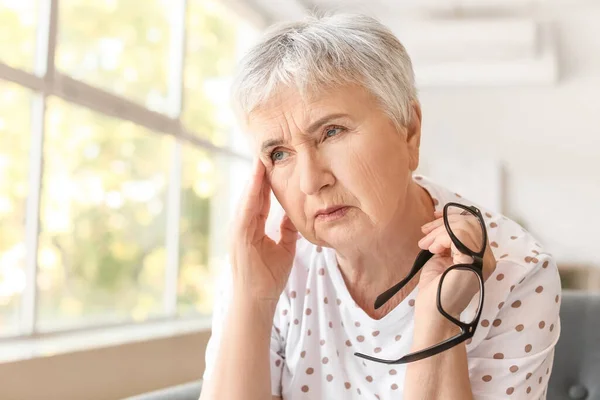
47 81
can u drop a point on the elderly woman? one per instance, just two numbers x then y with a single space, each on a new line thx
331 106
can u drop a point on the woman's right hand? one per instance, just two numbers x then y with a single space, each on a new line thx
261 266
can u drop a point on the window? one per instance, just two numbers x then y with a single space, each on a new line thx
15 114
18 24
118 46
101 253
120 165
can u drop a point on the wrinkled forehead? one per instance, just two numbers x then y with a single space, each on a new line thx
289 111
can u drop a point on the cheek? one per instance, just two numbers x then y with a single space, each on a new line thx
375 174
287 193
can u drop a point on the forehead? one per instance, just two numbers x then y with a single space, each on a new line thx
287 109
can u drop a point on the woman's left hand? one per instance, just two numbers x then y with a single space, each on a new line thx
457 293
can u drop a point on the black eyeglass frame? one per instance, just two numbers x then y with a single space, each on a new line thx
467 330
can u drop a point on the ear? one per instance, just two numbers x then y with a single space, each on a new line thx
413 134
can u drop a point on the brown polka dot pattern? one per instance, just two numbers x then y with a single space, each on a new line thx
394 386
393 372
308 311
411 302
539 289
510 391
499 277
487 378
360 338
519 327
513 368
303 354
357 324
503 256
310 371
485 323
369 378
545 264
325 300
528 348
322 271
277 363
500 305
493 225
348 343
375 333
497 322
347 385
528 389
319 249
325 360
516 304
329 377
494 244
305 389
293 294
377 350
542 324
498 356
528 375
322 342
398 337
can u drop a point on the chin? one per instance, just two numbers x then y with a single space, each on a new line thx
340 237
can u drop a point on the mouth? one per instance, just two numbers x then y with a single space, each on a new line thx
331 213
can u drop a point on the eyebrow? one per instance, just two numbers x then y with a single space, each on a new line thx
311 129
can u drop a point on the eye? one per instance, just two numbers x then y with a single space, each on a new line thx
333 131
279 155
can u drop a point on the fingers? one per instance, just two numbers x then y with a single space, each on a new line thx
438 241
452 217
289 233
255 202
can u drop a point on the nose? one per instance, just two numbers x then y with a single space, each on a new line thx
315 173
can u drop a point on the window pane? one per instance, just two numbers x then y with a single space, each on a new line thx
118 45
15 137
18 20
215 37
210 191
102 244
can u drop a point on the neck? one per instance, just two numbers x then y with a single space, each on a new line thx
372 267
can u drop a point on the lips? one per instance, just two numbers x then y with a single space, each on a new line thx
329 210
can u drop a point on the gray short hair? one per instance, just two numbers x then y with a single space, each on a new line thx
320 52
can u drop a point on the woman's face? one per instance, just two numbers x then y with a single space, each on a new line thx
335 150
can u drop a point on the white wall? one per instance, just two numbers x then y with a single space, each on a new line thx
547 138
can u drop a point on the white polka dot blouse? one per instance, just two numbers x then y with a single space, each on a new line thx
318 327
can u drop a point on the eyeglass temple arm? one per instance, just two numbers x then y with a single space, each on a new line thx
421 354
422 258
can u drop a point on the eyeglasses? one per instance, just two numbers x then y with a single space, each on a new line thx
458 277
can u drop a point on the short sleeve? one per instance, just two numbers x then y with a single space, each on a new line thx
223 294
515 358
